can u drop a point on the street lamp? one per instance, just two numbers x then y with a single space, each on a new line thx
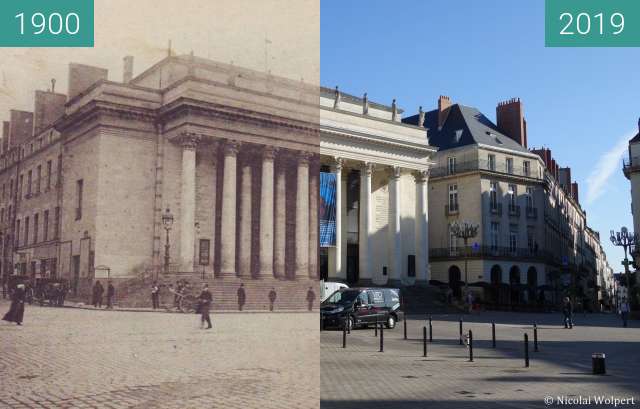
625 239
167 222
465 231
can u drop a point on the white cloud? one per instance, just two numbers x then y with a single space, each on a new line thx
608 164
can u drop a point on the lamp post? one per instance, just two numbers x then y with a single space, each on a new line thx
465 231
625 239
167 222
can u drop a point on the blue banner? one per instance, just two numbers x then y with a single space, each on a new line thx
327 209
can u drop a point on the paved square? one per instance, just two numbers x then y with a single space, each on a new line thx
400 378
73 358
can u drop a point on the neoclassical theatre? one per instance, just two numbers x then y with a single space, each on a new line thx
231 154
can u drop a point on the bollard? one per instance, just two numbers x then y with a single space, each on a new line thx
344 335
526 351
460 331
405 325
470 346
493 334
376 328
535 337
430 330
424 341
348 327
381 338
598 364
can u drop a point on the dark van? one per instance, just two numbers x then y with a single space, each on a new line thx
361 307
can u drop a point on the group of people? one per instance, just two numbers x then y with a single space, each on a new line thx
567 312
97 294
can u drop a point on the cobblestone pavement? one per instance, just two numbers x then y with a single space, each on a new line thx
74 358
400 378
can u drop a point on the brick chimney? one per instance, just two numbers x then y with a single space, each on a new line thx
564 177
20 128
82 77
510 120
127 72
444 103
574 191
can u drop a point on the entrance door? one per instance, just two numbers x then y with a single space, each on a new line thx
76 274
454 281
353 273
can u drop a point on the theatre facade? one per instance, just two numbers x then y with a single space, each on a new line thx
374 199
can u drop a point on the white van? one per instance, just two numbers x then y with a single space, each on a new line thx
329 287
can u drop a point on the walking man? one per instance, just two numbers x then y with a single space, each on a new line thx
98 290
272 298
242 297
567 311
311 297
155 295
205 304
624 312
111 292
16 311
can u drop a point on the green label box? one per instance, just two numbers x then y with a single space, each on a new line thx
46 23
592 23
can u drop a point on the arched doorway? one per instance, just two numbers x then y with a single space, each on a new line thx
454 281
514 283
532 284
496 281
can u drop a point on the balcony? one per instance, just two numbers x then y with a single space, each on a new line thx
532 212
489 252
514 210
480 165
495 209
451 210
631 165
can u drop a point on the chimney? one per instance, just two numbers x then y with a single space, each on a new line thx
565 178
444 103
127 72
20 128
49 107
5 135
574 192
510 120
82 77
554 168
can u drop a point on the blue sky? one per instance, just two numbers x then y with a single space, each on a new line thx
580 102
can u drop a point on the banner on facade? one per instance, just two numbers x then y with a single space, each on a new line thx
327 209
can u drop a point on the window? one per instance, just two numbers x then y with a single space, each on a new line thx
492 162
29 180
494 235
49 165
453 243
451 165
3 191
59 178
493 195
509 166
531 241
11 189
35 227
79 188
526 167
26 231
20 187
529 197
45 226
205 246
453 198
512 192
18 232
513 239
38 179
2 215
56 223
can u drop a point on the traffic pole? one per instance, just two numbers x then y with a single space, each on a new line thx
424 341
381 338
470 346
493 334
344 335
535 337
526 350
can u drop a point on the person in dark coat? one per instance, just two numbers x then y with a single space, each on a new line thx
64 289
567 311
155 295
16 311
98 290
205 299
272 298
242 297
311 297
111 292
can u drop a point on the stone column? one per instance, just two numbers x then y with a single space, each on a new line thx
422 228
364 230
395 238
314 232
228 212
302 217
340 274
266 213
244 240
280 219
188 142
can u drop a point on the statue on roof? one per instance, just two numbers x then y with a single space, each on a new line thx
420 117
365 105
336 98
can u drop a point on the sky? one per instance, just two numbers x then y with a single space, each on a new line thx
582 103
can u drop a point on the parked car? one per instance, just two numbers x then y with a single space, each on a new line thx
329 287
361 307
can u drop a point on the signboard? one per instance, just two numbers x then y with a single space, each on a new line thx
327 209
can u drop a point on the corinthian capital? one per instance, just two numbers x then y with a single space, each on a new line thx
189 140
421 176
231 148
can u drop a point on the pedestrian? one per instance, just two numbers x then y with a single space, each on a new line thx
272 298
242 297
311 297
205 299
176 295
95 292
567 311
99 290
64 289
469 302
155 295
111 292
16 311
624 312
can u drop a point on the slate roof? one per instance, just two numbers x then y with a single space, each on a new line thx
464 126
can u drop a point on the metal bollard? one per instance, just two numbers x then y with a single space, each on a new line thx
460 331
493 334
535 337
344 335
376 328
424 341
405 325
348 327
430 330
381 337
526 350
470 346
